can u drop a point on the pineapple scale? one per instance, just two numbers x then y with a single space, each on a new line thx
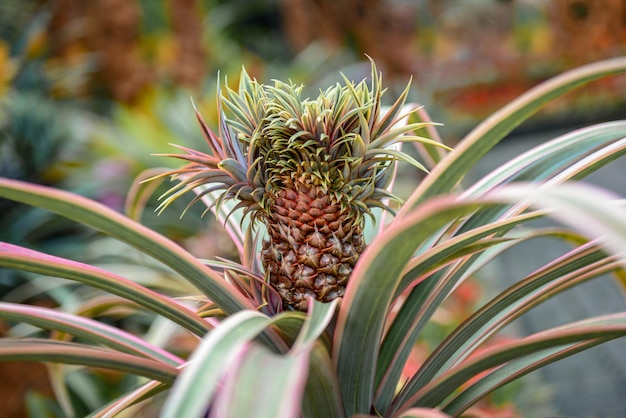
313 245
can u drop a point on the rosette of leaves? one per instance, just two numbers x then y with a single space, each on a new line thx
346 359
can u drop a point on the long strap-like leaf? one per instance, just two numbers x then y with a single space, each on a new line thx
102 218
370 291
13 256
39 349
604 328
226 349
485 136
86 328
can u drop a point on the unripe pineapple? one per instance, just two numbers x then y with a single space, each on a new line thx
309 170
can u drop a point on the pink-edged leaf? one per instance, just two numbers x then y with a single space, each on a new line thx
591 163
86 328
605 327
119 405
431 155
511 371
423 413
378 273
456 246
553 155
570 270
104 304
322 394
140 192
192 394
319 316
223 350
104 219
417 307
58 383
39 349
594 212
369 293
16 257
581 207
452 168
214 142
263 384
225 214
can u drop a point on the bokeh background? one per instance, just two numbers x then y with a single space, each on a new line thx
98 85
90 89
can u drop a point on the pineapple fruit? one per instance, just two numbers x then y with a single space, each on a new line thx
309 170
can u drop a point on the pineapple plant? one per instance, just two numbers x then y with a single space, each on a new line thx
335 360
309 170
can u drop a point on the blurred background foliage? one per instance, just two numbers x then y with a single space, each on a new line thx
90 89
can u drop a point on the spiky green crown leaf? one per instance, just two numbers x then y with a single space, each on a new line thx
271 138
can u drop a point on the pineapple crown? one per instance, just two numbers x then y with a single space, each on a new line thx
270 138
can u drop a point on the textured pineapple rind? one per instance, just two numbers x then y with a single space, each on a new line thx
312 248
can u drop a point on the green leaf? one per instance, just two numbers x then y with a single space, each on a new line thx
513 370
85 328
40 406
581 207
431 155
319 316
399 331
369 293
141 190
233 220
569 157
549 158
39 349
58 383
322 394
100 217
20 258
421 303
604 328
583 264
593 212
457 246
263 384
593 162
447 174
193 391
413 316
127 400
423 413
588 209
377 275
224 348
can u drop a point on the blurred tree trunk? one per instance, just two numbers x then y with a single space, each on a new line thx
110 29
190 66
383 29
